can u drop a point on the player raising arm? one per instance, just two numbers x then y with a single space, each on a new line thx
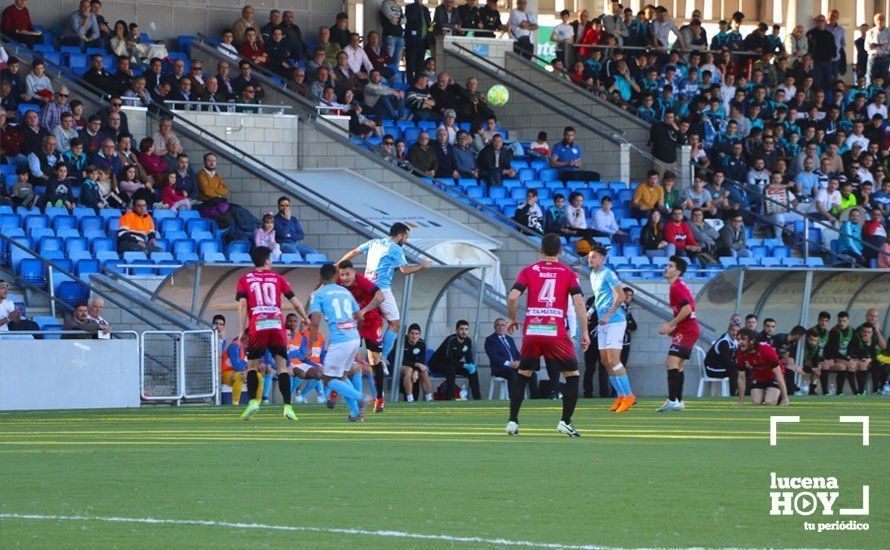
683 329
768 374
261 323
549 284
385 256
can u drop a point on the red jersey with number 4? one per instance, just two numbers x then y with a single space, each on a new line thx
549 285
761 362
263 291
680 295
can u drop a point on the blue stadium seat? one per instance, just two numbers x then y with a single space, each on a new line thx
748 262
639 260
467 182
239 246
509 210
105 244
80 212
159 215
91 223
158 257
505 201
76 61
792 262
511 183
181 246
175 235
759 251
31 221
49 243
72 293
519 164
526 174
814 261
597 186
772 243
132 256
405 124
538 165
544 194
209 245
427 125
76 244
87 266
766 261
106 255
476 191
38 233
64 222
291 258
780 252
660 261
53 211
625 196
189 257
632 250
518 194
728 261
198 224
497 192
213 257
549 174
533 184
239 258
200 235
170 224
107 213
112 225
32 270
627 223
411 135
316 258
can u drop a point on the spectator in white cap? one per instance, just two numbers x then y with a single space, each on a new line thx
450 125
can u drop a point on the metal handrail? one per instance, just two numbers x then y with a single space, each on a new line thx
616 137
225 107
311 112
650 49
47 262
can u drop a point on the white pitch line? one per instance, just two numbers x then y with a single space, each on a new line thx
294 528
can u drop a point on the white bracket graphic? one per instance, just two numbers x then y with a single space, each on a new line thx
773 421
858 511
859 420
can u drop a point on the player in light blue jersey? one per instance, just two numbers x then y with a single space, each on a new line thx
385 256
608 300
336 304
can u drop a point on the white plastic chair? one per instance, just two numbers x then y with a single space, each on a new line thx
699 357
503 388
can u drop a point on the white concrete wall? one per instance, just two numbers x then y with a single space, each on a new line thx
272 138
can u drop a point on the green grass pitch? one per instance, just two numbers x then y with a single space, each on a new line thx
697 478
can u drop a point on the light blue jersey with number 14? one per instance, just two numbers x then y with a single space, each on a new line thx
337 305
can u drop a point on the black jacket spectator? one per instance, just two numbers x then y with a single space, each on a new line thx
100 79
446 160
33 141
822 45
450 359
493 165
664 139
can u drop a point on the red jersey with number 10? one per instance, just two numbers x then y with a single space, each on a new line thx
263 291
549 285
680 296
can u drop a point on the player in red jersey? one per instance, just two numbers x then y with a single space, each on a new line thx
369 297
767 372
683 329
262 325
549 284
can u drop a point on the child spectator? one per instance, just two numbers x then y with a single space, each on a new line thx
540 148
265 236
133 188
109 191
90 194
60 189
22 191
173 199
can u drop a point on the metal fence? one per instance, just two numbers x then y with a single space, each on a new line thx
176 365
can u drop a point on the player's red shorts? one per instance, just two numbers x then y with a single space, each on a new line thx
274 340
371 334
682 343
556 350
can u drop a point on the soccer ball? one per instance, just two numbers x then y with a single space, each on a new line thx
498 95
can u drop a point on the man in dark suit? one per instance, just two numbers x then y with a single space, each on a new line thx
503 355
417 25
494 162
